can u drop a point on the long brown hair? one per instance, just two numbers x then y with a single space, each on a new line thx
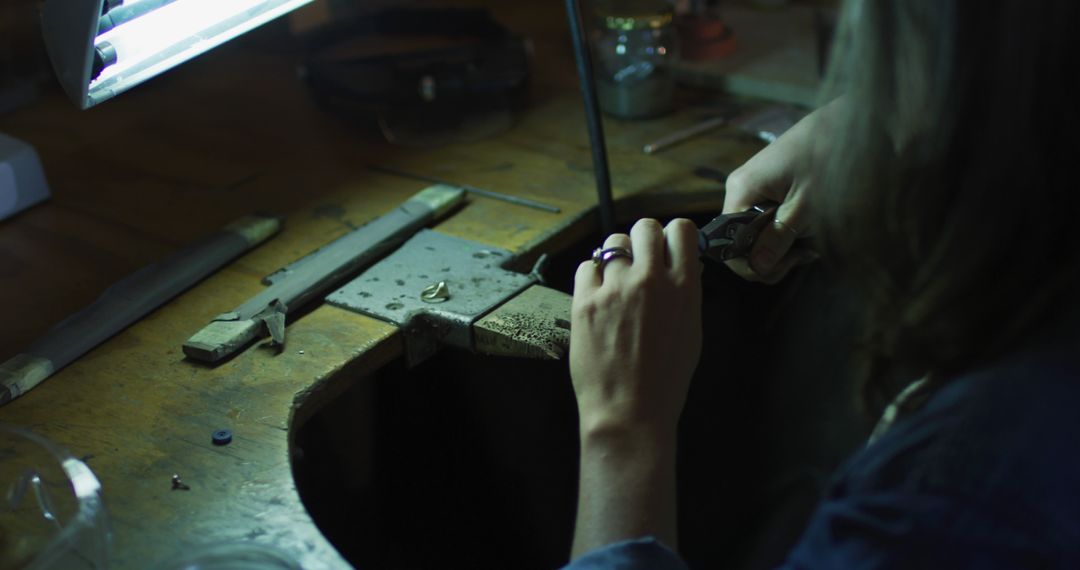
950 194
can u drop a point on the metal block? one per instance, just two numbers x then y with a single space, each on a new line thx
404 289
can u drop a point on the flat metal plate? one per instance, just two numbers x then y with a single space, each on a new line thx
390 290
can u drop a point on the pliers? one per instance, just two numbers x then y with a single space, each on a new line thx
729 236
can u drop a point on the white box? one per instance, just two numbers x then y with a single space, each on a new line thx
22 181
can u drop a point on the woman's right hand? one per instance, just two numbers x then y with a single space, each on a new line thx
783 172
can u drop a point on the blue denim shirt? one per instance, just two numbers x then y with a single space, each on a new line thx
985 475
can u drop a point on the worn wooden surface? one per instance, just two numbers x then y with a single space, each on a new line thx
228 134
534 324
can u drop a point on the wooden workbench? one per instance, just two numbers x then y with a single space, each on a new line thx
226 135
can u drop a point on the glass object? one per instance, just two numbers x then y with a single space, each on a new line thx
51 512
234 556
635 47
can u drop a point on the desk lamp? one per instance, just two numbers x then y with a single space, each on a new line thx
100 48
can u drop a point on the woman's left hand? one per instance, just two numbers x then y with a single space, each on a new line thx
636 330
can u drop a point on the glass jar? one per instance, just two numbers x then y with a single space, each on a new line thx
635 47
52 516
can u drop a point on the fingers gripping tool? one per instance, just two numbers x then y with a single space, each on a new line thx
729 236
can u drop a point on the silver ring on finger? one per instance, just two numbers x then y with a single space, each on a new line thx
602 255
782 226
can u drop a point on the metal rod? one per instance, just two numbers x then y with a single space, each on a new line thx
471 189
592 116
684 134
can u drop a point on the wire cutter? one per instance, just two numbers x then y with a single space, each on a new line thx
729 236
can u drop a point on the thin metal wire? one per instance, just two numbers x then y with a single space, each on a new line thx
471 189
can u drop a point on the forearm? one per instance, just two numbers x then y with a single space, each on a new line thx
634 342
627 487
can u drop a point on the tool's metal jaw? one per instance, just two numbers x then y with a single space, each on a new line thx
729 236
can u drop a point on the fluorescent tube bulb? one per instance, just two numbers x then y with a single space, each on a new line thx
173 33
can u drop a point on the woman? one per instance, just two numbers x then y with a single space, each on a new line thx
941 184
